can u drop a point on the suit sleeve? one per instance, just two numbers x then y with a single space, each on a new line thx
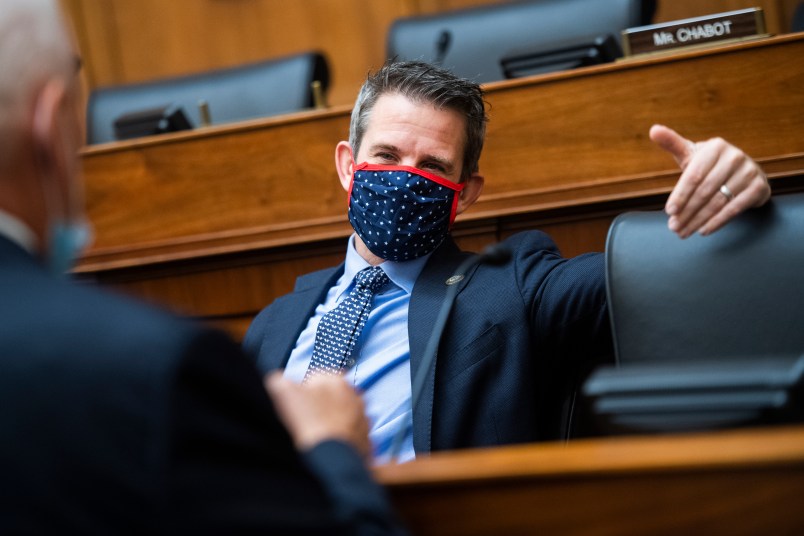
567 300
232 468
343 474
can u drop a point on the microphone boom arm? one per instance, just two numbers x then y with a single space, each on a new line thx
494 254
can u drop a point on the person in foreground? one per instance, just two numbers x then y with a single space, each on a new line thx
118 418
517 331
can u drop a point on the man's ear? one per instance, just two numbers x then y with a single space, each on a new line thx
471 191
344 163
46 131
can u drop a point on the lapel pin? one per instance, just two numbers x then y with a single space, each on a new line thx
454 279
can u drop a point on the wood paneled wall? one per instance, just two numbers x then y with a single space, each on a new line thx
129 41
217 222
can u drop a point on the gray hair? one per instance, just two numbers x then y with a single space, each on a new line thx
34 47
425 83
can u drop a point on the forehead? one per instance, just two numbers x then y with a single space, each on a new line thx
415 127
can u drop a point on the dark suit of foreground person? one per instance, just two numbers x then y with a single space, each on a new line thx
117 418
517 331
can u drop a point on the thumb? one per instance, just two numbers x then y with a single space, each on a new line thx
280 389
273 381
674 143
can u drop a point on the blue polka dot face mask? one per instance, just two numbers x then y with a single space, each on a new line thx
400 212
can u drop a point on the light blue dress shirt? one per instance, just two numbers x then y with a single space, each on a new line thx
380 368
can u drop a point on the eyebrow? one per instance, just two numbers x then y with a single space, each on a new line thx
447 164
384 147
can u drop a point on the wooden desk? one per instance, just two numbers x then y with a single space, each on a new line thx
219 222
735 482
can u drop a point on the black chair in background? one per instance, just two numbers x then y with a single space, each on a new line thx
708 331
514 39
256 90
797 24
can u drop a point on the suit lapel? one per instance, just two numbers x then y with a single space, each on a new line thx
292 316
425 303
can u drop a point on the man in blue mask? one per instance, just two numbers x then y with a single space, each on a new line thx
121 419
409 167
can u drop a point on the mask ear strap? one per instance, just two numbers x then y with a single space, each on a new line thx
453 213
352 181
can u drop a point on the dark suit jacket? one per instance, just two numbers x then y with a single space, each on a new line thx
518 337
117 418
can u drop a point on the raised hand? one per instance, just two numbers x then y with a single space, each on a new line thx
718 181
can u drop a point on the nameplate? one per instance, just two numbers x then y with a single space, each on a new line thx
698 31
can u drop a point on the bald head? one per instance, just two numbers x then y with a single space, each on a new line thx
34 48
40 185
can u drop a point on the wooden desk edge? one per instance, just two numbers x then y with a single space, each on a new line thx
219 130
760 447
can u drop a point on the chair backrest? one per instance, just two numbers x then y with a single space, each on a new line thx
797 24
472 42
738 293
256 90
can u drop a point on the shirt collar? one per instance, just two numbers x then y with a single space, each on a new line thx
18 232
402 274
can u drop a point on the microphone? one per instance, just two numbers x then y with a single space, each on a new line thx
494 255
442 46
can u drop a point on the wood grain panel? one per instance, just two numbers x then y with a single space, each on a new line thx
735 482
209 182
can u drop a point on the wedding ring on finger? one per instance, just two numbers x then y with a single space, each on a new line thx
726 192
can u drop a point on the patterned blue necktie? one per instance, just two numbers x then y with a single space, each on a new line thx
340 328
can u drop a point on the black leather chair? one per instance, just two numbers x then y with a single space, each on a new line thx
256 90
558 34
738 292
797 25
708 331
